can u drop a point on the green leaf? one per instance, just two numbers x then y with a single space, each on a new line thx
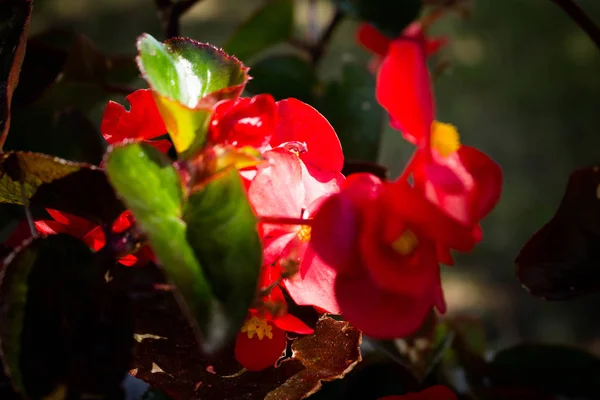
283 76
390 17
32 170
351 108
222 230
252 37
550 369
14 23
62 326
560 261
188 78
151 188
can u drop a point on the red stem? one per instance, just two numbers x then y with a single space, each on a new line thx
284 221
409 166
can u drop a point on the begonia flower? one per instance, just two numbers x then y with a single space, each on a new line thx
304 162
262 339
381 240
141 122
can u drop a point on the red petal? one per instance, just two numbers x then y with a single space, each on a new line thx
319 183
277 189
257 354
50 227
433 45
340 216
302 123
410 275
94 238
370 37
443 254
289 323
142 121
128 260
315 286
376 312
409 204
123 222
74 225
22 232
487 176
404 88
244 122
163 145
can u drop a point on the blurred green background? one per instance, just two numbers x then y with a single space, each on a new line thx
523 86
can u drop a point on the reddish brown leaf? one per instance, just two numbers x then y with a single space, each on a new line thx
166 356
14 22
329 354
560 261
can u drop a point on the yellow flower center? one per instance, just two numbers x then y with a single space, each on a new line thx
444 138
259 327
304 233
406 243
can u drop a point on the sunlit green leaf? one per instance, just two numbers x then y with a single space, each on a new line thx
252 37
32 169
188 78
222 230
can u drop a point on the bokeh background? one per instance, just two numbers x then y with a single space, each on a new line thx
523 85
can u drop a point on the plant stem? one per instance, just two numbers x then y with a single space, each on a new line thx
317 51
577 14
409 166
284 221
170 13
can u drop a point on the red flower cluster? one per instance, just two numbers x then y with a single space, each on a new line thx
437 392
391 236
360 247
303 167
80 228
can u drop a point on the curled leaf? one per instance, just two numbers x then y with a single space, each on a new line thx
188 78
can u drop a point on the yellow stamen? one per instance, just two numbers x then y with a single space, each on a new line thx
444 138
304 233
258 326
406 243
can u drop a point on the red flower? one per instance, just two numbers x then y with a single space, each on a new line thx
80 228
437 392
304 163
461 180
378 43
142 122
384 253
262 339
